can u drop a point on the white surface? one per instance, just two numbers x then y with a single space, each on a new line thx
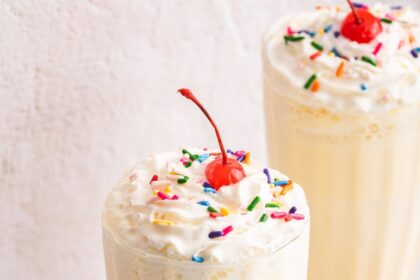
88 87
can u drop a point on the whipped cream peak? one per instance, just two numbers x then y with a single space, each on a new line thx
308 57
164 207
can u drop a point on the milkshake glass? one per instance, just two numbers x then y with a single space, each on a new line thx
164 221
353 139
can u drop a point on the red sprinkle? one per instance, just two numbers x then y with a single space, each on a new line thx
163 196
154 178
227 230
215 215
315 55
278 215
290 31
175 197
377 48
288 218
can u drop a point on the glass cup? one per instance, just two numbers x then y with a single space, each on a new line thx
361 175
127 263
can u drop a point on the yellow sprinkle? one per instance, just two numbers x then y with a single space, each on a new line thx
338 9
287 188
163 222
155 192
167 190
247 158
321 32
331 54
173 173
224 211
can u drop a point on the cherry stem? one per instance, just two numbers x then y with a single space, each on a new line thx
188 94
356 15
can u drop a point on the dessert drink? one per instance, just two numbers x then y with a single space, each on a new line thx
343 118
208 215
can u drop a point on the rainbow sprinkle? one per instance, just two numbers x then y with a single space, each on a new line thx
315 55
197 259
215 234
310 81
279 183
163 222
386 20
263 218
227 230
203 203
212 209
340 69
267 173
369 60
292 210
363 87
317 46
253 203
415 52
377 48
272 205
288 39
328 28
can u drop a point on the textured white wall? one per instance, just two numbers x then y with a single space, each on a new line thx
88 87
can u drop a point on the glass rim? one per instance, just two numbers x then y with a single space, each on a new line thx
179 263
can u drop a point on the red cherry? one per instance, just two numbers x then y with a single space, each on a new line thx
361 26
221 174
222 171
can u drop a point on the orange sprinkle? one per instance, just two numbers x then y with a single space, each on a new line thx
315 86
287 188
412 39
315 55
340 69
247 158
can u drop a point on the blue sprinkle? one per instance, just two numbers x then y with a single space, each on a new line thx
293 210
204 203
197 259
310 33
215 234
328 28
280 183
415 52
337 34
209 190
335 52
267 173
363 87
241 158
203 157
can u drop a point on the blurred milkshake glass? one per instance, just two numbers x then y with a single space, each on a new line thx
343 119
164 221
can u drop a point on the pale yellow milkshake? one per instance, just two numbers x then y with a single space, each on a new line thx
353 140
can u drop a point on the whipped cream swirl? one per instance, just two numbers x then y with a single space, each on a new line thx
170 216
362 87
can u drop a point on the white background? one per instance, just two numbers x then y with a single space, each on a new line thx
88 87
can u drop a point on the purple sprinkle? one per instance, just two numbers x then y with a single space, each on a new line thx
292 210
207 185
241 158
229 151
215 234
396 7
415 52
337 34
267 173
360 5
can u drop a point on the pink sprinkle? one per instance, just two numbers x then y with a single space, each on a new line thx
184 160
298 216
175 197
163 196
278 215
240 153
401 44
377 48
227 230
290 31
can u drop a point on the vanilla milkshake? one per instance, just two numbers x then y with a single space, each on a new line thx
343 118
164 220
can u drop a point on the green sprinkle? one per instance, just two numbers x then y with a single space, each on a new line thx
263 218
317 46
293 39
188 164
310 81
191 156
212 210
254 203
271 205
182 180
386 20
368 60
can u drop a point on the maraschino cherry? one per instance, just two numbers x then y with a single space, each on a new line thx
222 171
360 25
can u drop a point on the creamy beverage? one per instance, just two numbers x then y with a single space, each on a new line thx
343 118
165 221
